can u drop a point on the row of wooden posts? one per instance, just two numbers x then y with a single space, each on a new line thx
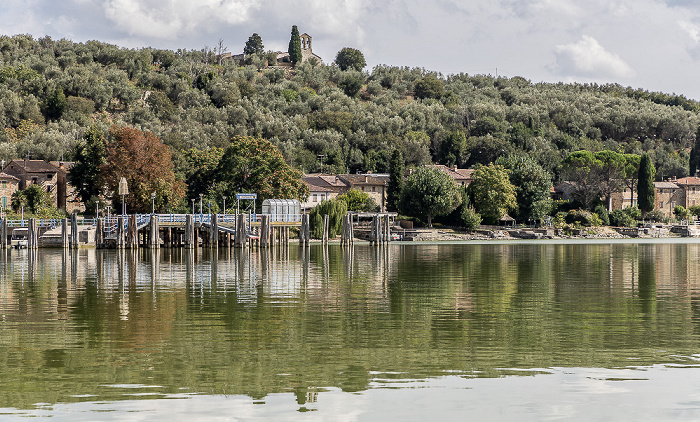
128 235
214 235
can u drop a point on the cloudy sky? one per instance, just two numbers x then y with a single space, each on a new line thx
650 44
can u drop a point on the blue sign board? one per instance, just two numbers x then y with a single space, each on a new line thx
246 196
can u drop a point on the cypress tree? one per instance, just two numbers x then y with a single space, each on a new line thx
645 186
694 161
396 170
295 46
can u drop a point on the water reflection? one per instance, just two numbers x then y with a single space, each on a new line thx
296 320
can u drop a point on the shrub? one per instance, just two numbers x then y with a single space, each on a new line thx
620 218
656 216
602 214
471 218
680 212
582 218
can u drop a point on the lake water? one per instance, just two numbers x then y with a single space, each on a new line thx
525 331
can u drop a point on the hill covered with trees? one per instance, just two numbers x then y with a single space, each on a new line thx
52 92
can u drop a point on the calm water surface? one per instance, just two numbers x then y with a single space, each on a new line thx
489 332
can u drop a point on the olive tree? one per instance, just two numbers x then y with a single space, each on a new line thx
350 58
429 192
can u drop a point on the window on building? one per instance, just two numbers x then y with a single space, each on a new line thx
314 198
373 188
661 204
4 202
4 184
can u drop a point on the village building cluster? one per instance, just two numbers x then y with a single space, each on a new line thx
50 176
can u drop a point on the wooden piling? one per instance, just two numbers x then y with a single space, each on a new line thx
264 230
3 233
305 231
132 238
64 233
121 235
326 228
98 234
189 231
30 234
74 231
214 230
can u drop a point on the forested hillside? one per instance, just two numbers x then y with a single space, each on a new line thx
51 92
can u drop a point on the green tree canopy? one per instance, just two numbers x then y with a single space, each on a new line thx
34 199
254 45
90 156
532 184
350 58
494 195
428 87
358 201
429 192
255 165
295 46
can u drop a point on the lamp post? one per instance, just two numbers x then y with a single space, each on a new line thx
192 206
200 202
97 210
123 191
153 202
224 196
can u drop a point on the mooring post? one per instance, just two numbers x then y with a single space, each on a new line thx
326 228
74 231
214 230
30 233
387 229
98 233
132 238
189 231
120 233
64 233
305 232
3 233
265 230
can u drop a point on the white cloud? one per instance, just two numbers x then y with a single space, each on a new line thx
588 59
170 19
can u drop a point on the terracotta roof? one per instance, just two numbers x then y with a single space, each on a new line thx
7 176
316 188
365 179
665 185
688 181
454 172
324 180
34 166
64 165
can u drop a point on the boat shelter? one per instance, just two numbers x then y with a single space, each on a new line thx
282 210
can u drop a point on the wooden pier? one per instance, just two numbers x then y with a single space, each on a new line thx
180 230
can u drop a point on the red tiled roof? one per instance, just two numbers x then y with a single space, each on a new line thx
7 176
454 172
34 166
365 179
688 181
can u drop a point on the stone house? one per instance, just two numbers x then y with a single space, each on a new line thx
668 195
376 185
52 177
8 185
691 190
324 186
